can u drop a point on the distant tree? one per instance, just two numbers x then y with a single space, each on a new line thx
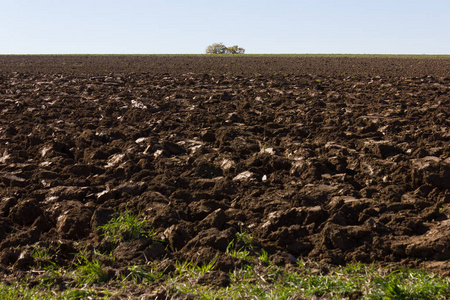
235 50
216 48
219 48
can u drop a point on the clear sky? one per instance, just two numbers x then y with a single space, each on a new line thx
259 26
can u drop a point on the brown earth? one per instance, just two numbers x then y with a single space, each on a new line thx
317 65
336 160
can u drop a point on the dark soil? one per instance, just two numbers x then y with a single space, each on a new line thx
336 160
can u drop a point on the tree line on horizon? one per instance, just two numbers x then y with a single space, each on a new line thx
219 48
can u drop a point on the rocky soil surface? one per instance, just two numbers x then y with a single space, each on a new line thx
331 166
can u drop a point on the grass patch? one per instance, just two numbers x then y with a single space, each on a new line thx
245 248
89 271
22 291
411 284
359 281
246 238
126 227
260 279
142 274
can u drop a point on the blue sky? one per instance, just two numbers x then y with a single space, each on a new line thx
189 26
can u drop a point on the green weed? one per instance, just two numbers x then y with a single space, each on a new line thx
237 253
89 271
246 238
125 227
264 257
142 274
41 253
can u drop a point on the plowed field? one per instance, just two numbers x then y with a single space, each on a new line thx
332 159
